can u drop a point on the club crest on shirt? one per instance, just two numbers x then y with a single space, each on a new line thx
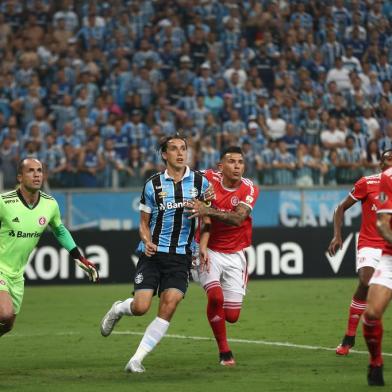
234 201
382 197
42 220
139 278
194 192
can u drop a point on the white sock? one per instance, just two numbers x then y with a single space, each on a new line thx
124 307
153 335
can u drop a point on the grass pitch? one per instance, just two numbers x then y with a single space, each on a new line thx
56 344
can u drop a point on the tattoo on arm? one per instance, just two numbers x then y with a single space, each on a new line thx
232 218
383 227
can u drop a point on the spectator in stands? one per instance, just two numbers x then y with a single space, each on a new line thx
304 170
311 127
267 157
372 160
55 162
9 158
332 137
350 163
276 126
90 165
284 165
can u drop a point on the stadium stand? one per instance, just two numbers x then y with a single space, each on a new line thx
90 87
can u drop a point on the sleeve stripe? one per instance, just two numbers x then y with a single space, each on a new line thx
350 194
384 211
144 208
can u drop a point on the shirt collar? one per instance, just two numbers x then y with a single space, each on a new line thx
186 174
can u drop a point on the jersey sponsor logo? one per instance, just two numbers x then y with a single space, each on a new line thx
42 220
234 201
16 220
11 201
162 194
249 199
170 205
139 278
374 208
372 182
22 234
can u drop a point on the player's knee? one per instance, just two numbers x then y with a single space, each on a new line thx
364 282
373 313
139 308
6 323
215 297
232 315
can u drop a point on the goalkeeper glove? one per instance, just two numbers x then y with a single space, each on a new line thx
89 268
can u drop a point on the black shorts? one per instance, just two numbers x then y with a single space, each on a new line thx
163 271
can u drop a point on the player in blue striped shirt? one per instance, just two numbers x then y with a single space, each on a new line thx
166 236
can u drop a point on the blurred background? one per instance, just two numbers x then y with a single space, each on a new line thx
304 87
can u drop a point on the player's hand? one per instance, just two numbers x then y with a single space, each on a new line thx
89 268
204 260
335 244
209 194
197 208
150 248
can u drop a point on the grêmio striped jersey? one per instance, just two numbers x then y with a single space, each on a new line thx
21 227
170 227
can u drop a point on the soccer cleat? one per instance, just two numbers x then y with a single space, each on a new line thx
109 320
226 359
375 376
344 347
134 366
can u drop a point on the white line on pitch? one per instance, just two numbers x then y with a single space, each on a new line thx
244 341
261 342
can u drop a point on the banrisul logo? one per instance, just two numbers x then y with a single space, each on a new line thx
22 234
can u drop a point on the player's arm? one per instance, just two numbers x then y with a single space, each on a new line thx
231 218
66 240
383 226
338 216
146 206
204 238
145 234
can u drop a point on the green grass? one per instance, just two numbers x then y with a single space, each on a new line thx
56 344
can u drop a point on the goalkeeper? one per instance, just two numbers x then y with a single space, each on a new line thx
24 215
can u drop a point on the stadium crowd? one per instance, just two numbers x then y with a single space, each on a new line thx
88 87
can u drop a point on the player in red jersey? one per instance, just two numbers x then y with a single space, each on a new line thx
380 291
369 247
223 272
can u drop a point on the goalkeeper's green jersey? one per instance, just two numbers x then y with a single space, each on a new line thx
21 228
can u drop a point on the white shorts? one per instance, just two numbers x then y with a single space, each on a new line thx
228 269
383 274
368 257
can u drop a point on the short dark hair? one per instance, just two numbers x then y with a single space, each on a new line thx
385 152
231 150
164 143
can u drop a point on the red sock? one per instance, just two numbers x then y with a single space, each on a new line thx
216 316
372 332
357 307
